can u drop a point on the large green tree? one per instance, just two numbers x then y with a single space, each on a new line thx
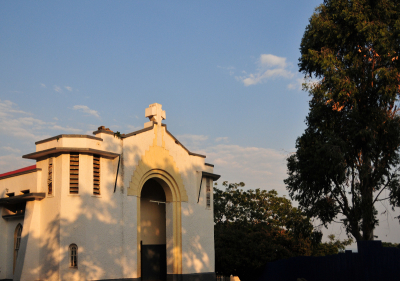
347 159
257 226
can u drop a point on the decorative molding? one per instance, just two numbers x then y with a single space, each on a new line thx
69 136
55 150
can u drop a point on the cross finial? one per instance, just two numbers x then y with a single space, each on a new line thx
155 114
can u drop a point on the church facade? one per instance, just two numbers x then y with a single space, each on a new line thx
110 206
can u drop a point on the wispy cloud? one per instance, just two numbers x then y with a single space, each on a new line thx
8 107
11 149
132 128
298 83
219 139
269 60
22 128
68 88
228 68
43 85
193 142
13 162
85 109
57 89
258 167
20 125
65 129
269 66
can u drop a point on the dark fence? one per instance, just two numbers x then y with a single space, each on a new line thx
372 263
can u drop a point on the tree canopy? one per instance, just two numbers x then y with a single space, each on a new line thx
347 159
257 226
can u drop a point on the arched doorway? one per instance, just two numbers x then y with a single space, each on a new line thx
153 231
175 193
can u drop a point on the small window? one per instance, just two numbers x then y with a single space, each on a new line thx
74 173
96 175
17 243
73 256
50 177
208 193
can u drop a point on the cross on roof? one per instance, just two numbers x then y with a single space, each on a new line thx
155 113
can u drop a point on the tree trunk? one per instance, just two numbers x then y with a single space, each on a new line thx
367 207
367 214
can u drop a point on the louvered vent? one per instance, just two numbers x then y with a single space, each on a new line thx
74 173
96 174
208 193
50 177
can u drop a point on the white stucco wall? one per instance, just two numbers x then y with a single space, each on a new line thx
13 184
197 221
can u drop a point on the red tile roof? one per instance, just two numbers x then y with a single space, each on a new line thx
18 171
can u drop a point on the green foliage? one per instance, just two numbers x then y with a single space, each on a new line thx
332 247
237 206
256 226
349 154
388 244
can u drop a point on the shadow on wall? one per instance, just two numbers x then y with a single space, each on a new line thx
195 233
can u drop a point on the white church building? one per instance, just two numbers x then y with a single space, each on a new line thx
109 206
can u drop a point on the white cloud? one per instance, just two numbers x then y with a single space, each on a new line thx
7 107
14 124
85 109
22 128
256 166
298 84
269 66
8 148
221 139
260 77
57 89
132 128
192 142
65 129
12 162
43 85
269 60
228 68
68 88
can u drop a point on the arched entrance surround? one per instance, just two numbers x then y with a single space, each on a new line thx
158 164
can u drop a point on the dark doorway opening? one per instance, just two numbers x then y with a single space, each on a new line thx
153 232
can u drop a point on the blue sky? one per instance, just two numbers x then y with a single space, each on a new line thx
225 72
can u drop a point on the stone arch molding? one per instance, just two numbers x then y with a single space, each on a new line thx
158 163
